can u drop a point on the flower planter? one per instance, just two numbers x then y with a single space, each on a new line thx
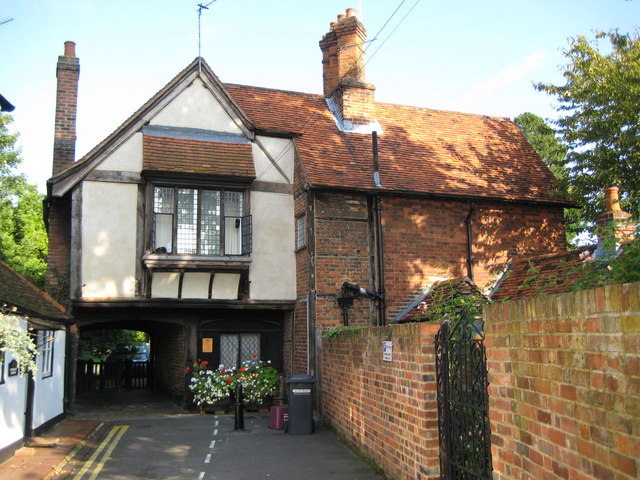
262 406
223 405
213 390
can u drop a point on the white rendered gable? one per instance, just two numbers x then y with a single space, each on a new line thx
196 107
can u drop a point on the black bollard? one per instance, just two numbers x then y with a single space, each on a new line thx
239 416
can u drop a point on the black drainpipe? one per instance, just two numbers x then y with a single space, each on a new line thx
467 222
28 412
378 219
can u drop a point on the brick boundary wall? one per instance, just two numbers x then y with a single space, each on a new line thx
564 392
386 410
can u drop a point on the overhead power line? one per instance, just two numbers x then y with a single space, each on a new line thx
392 31
375 37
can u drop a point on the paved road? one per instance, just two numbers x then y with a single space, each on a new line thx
171 445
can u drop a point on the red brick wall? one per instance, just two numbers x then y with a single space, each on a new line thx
387 410
169 348
423 239
59 232
296 350
299 354
565 385
342 254
428 238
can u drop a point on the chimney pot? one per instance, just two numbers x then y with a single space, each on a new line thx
612 201
341 16
614 222
351 12
69 49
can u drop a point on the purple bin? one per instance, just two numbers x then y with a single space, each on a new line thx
277 416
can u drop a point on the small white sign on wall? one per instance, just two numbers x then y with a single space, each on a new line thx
387 351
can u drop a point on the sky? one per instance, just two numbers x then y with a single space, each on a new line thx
461 55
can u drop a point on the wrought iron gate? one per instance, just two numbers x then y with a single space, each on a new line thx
463 401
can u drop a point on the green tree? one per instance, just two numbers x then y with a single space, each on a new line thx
15 340
545 141
600 104
23 238
98 345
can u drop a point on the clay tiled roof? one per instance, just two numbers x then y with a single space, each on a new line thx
178 155
543 274
16 291
421 150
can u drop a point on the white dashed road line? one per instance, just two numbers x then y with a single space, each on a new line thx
207 459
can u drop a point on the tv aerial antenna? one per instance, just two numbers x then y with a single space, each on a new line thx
201 7
5 20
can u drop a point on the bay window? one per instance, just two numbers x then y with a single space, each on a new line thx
200 221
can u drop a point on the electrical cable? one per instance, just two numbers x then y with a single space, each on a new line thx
392 32
375 37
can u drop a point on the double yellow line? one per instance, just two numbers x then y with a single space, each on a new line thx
98 459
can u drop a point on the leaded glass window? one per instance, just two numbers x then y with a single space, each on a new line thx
195 221
237 348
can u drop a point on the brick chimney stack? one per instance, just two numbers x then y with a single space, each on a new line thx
349 96
64 143
614 218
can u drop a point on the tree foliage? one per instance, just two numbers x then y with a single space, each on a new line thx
616 265
100 344
600 104
545 141
23 238
610 263
16 341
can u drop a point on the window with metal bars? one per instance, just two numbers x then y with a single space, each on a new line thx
239 347
199 221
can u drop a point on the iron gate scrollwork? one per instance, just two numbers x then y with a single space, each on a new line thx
463 401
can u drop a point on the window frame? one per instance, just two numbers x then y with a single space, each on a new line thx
45 343
243 222
301 232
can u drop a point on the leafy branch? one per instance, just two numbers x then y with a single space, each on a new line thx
17 340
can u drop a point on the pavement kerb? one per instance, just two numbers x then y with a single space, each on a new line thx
54 471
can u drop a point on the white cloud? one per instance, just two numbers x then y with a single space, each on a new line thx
505 77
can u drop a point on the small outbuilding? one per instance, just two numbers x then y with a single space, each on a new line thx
30 401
